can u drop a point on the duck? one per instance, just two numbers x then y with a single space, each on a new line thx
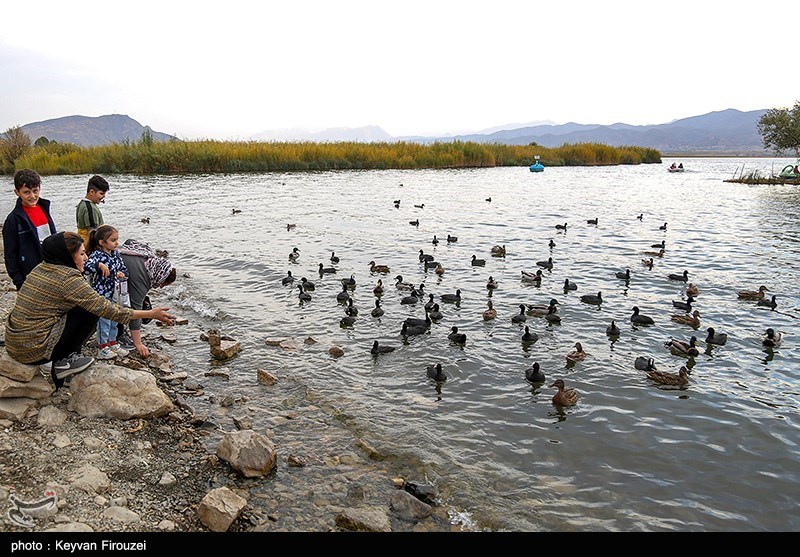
552 317
683 348
431 265
663 226
451 297
551 244
666 378
643 363
294 255
304 296
534 374
592 299
682 277
648 263
612 330
396 203
499 251
425 257
455 336
659 253
477 262
771 303
288 279
416 322
377 311
561 226
564 396
439 269
536 277
414 222
235 211
347 321
344 295
451 239
420 206
349 282
692 290
435 372
410 299
662 244
378 290
435 313
624 276
592 221
528 336
546 264
641 216
640 319
412 330
326 270
520 317
291 226
577 355
753 295
685 306
334 257
307 285
716 338
489 199
351 309
692 320
491 284
403 285
435 240
146 220
569 285
373 268
430 303
490 313
540 310
378 349
772 338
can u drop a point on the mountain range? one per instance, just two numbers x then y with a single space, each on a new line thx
725 132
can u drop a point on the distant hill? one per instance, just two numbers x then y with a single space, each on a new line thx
365 134
88 131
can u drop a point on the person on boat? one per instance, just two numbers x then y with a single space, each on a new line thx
673 166
796 170
680 166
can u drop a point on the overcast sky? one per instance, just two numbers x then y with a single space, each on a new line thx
231 69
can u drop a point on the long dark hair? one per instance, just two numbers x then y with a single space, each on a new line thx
99 234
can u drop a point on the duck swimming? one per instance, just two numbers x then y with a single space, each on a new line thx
648 262
347 321
577 355
351 309
528 336
564 396
569 285
294 255
451 297
685 306
520 317
540 310
378 290
644 364
693 320
681 348
435 372
410 299
534 374
377 349
561 226
640 319
692 290
435 240
546 264
407 330
752 295
373 268
716 338
532 277
435 314
455 336
344 295
551 244
662 244
403 285
499 251
334 258
307 284
592 299
326 270
552 317
612 330
288 279
490 313
478 262
451 239
682 277
624 276
666 378
414 322
659 253
439 269
414 222
663 226
425 257
771 303
491 284
304 296
592 221
430 303
772 338
349 282
378 310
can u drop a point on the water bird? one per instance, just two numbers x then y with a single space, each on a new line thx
439 269
546 264
304 296
489 199
641 216
288 279
431 265
351 309
377 311
753 295
410 299
294 255
378 290
347 321
396 202
430 303
146 220
477 262
772 338
491 284
435 372
499 251
693 320
378 349
416 322
455 336
373 268
663 226
414 222
534 374
344 295
569 285
490 313
684 276
666 378
235 211
648 262
561 226
349 282
541 310
326 270
420 206
659 253
640 319
409 330
551 244
291 226
685 306
564 396
451 297
552 317
577 355
334 257
771 303
451 239
626 276
435 240
532 277
403 285
592 221
425 257
683 348
528 336
692 290
435 313
307 284
520 317
644 363
662 244
592 299
612 330
716 338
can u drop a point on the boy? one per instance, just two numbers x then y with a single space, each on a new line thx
26 227
88 214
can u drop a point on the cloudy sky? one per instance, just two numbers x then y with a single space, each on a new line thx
229 70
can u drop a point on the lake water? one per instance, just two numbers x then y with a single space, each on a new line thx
719 455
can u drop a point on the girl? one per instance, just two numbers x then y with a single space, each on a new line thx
105 267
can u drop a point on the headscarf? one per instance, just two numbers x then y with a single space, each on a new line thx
158 268
54 250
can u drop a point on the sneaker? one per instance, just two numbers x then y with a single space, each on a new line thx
125 342
72 364
106 353
118 349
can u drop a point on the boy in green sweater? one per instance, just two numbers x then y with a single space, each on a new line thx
87 213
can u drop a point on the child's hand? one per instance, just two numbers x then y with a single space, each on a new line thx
120 275
103 269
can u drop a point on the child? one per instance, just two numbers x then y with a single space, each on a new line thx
105 267
26 227
88 214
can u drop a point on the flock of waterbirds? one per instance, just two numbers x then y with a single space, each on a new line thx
414 294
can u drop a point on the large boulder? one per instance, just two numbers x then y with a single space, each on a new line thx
38 388
219 508
117 392
248 452
11 368
16 408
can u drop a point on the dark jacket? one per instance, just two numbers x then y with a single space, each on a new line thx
22 250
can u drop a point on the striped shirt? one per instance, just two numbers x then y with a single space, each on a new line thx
36 322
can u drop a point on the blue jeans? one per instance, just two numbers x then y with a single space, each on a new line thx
106 330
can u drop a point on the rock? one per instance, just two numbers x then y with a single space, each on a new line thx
274 341
167 525
295 461
167 480
169 337
174 376
249 453
242 423
310 340
16 371
38 388
100 501
219 508
290 344
226 349
182 321
93 443
227 401
71 527
117 392
364 519
61 440
266 378
398 482
16 408
50 416
424 492
219 373
120 514
408 507
90 479
336 351
371 451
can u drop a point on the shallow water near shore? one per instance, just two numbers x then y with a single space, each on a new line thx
718 455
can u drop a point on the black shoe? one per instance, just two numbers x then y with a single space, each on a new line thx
72 364
125 342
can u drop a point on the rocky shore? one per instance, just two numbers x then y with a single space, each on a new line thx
120 448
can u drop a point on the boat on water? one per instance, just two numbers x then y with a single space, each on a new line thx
790 171
676 168
537 167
